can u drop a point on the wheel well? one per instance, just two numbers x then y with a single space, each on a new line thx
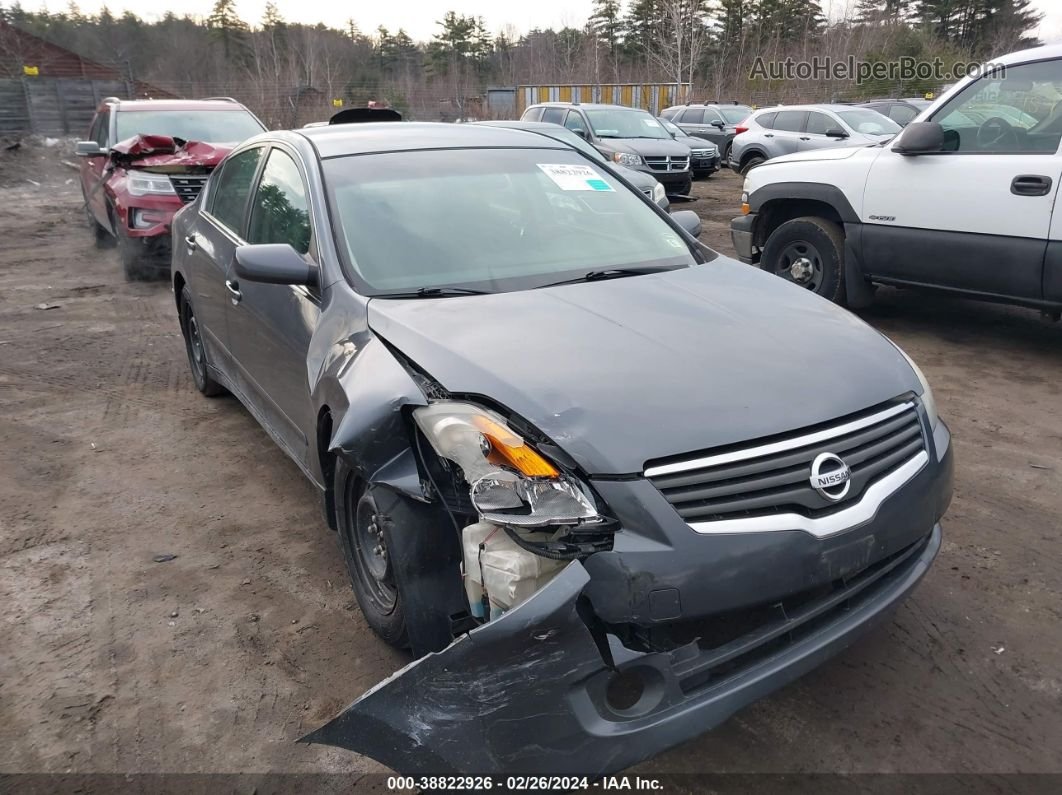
178 285
328 464
775 213
747 156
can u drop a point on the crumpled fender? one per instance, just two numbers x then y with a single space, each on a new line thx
368 390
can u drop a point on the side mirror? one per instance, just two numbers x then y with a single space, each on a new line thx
920 138
89 149
689 221
582 134
718 124
836 132
274 263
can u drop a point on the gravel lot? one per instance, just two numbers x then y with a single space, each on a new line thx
217 660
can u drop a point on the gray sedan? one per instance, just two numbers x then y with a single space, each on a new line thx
608 486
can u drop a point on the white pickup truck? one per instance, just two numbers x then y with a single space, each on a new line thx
963 200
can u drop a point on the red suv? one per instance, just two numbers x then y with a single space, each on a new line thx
144 160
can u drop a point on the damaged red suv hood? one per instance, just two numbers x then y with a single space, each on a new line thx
163 153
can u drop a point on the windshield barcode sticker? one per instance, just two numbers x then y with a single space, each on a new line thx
568 177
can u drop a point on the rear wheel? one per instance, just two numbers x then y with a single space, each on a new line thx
751 163
193 343
364 541
809 252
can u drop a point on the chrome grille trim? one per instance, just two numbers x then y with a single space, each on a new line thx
188 186
669 163
778 447
856 514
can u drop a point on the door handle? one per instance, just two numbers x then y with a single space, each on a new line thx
234 291
805 137
1030 185
191 241
768 135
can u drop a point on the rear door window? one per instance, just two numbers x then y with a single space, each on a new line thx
231 189
532 114
553 115
901 114
790 120
766 120
692 116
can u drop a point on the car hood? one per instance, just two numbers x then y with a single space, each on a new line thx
647 147
628 370
839 152
162 153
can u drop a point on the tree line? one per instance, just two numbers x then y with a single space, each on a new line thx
286 70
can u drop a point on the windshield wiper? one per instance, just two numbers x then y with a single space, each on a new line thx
434 292
609 273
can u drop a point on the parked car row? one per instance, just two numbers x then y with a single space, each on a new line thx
498 362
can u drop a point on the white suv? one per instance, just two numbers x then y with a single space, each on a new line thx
962 200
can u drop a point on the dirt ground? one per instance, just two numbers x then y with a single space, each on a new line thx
217 660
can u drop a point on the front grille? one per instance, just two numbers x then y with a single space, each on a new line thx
774 475
188 186
680 163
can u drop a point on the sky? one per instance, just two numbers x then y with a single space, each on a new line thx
418 17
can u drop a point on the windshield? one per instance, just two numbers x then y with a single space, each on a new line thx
213 126
735 114
869 122
490 219
672 128
625 124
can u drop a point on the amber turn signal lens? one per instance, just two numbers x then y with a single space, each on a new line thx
508 448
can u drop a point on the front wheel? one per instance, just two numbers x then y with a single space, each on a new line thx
809 252
368 559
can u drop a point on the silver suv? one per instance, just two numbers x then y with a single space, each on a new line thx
785 130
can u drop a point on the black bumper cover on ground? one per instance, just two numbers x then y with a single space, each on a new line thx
526 693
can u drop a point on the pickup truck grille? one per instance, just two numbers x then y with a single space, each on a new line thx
773 476
681 163
188 186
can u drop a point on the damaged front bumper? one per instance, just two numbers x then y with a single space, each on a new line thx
537 691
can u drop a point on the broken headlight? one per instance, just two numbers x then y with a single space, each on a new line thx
510 482
144 183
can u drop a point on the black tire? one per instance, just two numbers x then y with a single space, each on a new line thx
134 264
196 349
751 163
363 537
102 235
724 158
808 251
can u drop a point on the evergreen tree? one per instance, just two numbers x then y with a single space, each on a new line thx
607 24
225 26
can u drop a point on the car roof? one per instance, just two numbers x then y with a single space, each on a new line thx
831 106
584 105
337 140
123 105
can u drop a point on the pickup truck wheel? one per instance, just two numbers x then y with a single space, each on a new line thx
102 235
364 541
809 252
193 343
